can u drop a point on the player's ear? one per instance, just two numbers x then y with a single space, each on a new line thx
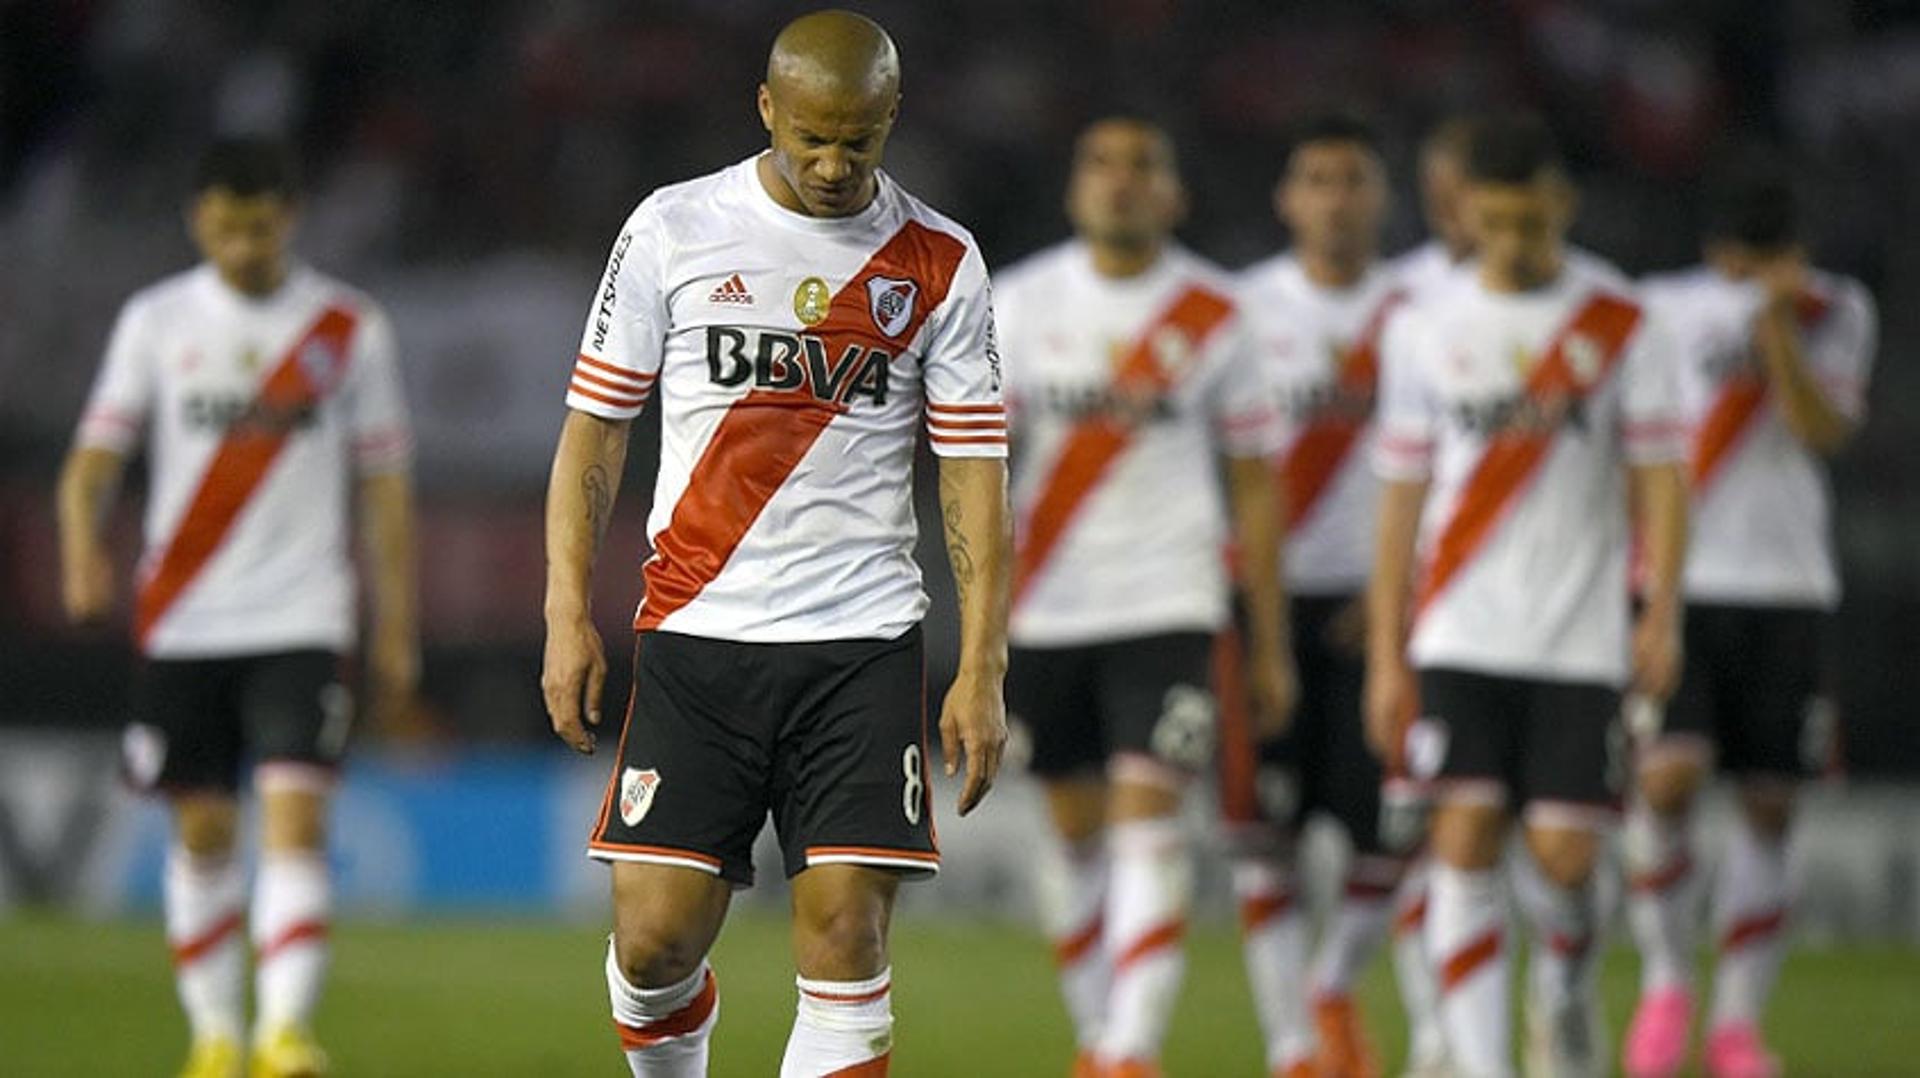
764 101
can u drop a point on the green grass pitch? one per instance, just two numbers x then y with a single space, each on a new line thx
512 998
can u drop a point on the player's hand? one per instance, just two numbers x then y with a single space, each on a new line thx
1389 704
1656 654
86 585
1276 689
973 721
393 676
571 678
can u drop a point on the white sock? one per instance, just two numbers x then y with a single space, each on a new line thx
841 1028
292 899
204 899
1660 898
1273 934
1146 922
1073 896
1750 912
1358 925
1565 922
664 1031
1413 969
1466 923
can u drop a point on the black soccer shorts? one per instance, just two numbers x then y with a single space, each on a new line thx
1084 706
197 721
1751 691
1322 763
1555 747
829 737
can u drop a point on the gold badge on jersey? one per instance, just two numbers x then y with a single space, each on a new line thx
811 300
250 360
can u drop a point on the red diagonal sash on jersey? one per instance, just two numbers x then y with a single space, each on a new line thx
1097 441
1511 457
1738 405
307 371
764 435
1309 465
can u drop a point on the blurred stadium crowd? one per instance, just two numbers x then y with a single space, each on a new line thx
468 162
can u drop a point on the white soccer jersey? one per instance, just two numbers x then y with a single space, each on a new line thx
1424 268
1124 394
1321 347
256 414
1520 411
1761 528
794 357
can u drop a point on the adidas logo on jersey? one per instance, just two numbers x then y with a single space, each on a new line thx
731 290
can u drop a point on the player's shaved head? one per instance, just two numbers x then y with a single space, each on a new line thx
832 91
834 52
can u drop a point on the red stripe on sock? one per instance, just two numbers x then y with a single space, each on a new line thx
678 1024
848 999
1569 946
1159 938
1663 878
1467 961
1072 949
1257 910
1753 930
1368 890
298 932
871 1068
193 950
1412 917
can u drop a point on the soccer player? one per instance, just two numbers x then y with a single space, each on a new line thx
268 401
1317 313
1130 376
1774 358
800 317
1518 406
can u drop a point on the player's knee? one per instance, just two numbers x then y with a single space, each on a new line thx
205 824
1468 836
843 942
1669 788
652 955
293 821
1565 858
1768 807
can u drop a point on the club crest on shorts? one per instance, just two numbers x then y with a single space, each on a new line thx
1426 748
636 794
890 299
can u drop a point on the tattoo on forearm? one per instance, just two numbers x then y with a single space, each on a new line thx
599 497
959 552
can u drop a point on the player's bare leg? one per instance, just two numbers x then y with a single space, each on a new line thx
1557 893
1661 895
844 1023
1146 911
292 903
665 1001
1073 900
1750 906
1466 929
205 897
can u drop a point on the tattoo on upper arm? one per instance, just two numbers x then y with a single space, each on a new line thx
959 551
599 497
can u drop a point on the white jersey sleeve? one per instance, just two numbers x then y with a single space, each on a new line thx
1408 415
1653 429
376 403
1246 407
1841 353
625 336
123 390
966 414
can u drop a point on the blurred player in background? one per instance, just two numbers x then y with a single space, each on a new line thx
1316 314
1518 403
1129 376
1774 358
1442 173
799 315
268 401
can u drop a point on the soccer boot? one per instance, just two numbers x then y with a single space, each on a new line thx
288 1052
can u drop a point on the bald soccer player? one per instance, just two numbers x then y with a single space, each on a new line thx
800 317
